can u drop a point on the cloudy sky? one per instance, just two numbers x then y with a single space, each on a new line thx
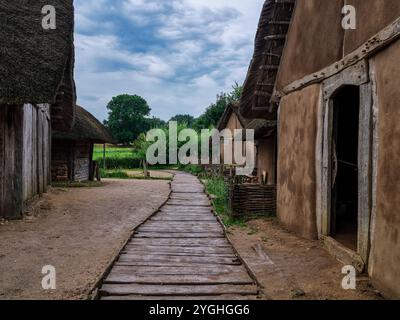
177 54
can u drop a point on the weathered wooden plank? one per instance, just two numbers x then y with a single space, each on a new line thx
181 229
178 259
187 213
182 224
2 156
189 196
35 174
126 277
172 218
193 203
180 250
40 153
176 290
157 235
178 254
216 242
27 152
186 207
185 270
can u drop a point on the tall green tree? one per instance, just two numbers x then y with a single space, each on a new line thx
183 119
209 119
127 117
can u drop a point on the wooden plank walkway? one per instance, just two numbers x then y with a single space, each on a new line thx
180 253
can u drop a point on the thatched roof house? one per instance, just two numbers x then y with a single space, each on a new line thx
86 127
231 118
337 92
37 92
72 152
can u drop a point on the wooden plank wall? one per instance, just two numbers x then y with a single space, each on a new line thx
82 160
36 150
11 140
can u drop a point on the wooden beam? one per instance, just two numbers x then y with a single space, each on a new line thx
382 39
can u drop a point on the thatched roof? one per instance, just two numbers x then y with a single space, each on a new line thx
36 65
232 108
269 43
86 127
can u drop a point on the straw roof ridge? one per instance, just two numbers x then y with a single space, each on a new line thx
86 127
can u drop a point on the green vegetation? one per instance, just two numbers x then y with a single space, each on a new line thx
117 157
128 117
114 174
212 115
193 169
219 191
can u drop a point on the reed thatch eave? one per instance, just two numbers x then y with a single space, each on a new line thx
270 40
86 127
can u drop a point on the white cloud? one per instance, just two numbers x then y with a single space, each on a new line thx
205 46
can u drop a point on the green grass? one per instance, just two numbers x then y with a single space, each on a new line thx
114 174
112 152
117 157
218 189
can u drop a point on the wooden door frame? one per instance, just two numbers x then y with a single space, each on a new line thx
356 75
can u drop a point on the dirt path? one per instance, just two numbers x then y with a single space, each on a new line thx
180 252
78 231
289 267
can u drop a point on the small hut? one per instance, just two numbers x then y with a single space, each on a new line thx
72 152
37 92
231 120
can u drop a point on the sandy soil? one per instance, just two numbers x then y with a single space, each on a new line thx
292 268
78 231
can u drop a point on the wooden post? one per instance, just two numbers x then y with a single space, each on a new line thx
104 156
145 171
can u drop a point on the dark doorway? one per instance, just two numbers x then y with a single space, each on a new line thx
344 211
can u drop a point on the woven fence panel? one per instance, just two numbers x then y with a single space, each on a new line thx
247 200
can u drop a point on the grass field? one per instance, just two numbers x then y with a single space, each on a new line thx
117 157
112 152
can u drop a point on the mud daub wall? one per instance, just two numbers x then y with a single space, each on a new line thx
24 154
316 38
296 161
385 253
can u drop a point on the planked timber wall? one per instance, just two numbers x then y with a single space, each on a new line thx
71 160
24 155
